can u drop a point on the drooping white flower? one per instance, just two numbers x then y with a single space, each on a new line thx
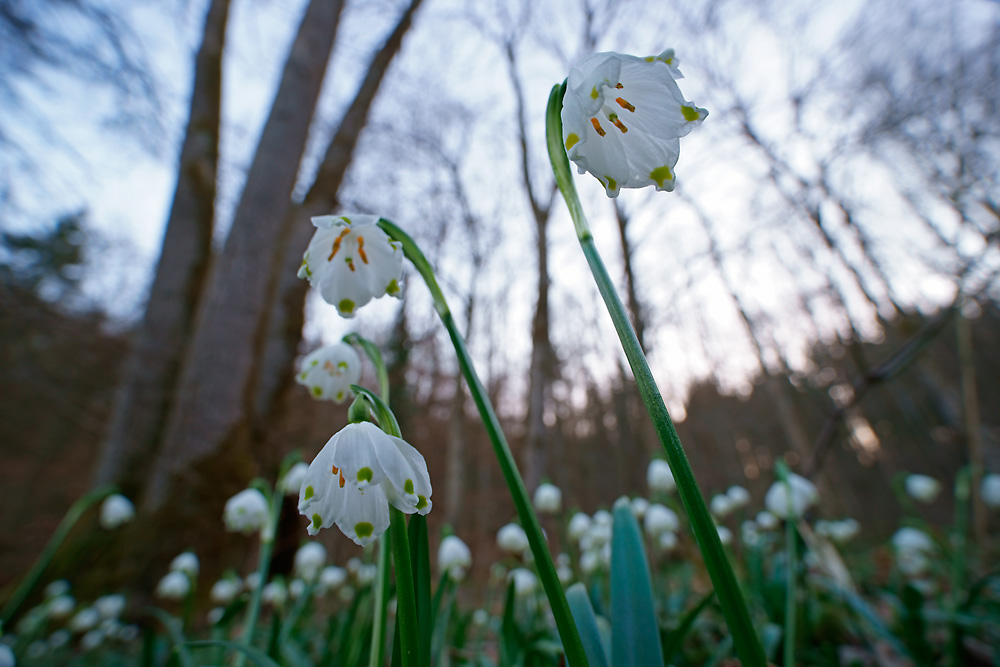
225 590
660 519
749 533
803 496
844 530
589 561
914 549
725 535
525 582
291 483
922 488
512 539
667 541
639 507
296 589
309 560
60 606
330 371
659 477
352 261
84 620
989 490
332 577
174 586
454 557
548 499
57 588
354 478
366 574
110 606
116 510
92 639
247 512
721 505
623 118
603 518
215 615
252 581
187 563
766 520
578 526
275 593
738 497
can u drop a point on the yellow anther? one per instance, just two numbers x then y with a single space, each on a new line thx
624 104
361 249
336 244
597 126
350 264
619 124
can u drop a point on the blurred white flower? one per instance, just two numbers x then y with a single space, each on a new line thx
803 496
352 261
296 588
922 488
720 505
565 574
623 118
84 620
639 507
291 483
913 551
512 539
174 586
589 562
725 535
275 593
116 510
766 520
659 520
603 518
309 560
989 490
330 371
844 530
92 640
667 541
525 581
480 617
57 588
7 656
110 606
215 615
597 536
354 478
738 497
252 581
749 533
247 512
60 606
225 590
332 577
454 557
548 499
366 574
578 526
187 563
659 477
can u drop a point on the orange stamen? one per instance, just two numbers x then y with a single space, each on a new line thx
619 86
336 244
624 104
350 263
361 249
597 126
620 125
342 480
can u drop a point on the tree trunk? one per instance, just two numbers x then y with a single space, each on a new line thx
214 395
143 400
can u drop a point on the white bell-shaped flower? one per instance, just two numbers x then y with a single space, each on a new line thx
548 499
989 490
525 582
84 620
57 588
110 606
309 560
766 520
639 506
914 549
330 371
247 512
922 488
623 118
291 483
352 261
725 535
225 590
116 510
738 496
332 577
721 505
174 586
782 504
660 519
454 557
512 539
659 477
60 606
275 593
578 526
354 478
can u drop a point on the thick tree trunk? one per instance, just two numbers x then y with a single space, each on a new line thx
143 401
214 395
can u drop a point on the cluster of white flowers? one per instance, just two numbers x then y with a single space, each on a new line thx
178 583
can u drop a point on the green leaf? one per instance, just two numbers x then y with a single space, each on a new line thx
511 638
255 655
586 623
675 639
421 559
173 626
635 635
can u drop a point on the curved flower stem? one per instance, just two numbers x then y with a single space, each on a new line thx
31 579
730 596
376 358
263 566
543 559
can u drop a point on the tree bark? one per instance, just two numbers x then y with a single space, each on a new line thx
214 395
143 399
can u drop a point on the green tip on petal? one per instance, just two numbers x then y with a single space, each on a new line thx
317 391
572 140
408 486
317 521
594 93
612 183
660 175
309 493
365 475
393 288
690 113
346 306
364 529
421 502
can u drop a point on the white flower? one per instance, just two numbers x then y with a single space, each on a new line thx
990 490
589 562
92 640
578 526
725 535
454 557
247 512
330 371
749 533
332 577
116 510
309 560
291 483
738 497
174 586
84 620
659 520
565 574
721 505
352 261
803 496
766 520
913 551
252 581
110 606
275 593
225 590
548 499
480 617
60 606
366 574
215 615
187 563
512 539
57 588
525 582
58 639
296 588
7 656
597 536
603 518
639 507
623 118
667 541
922 488
659 477
844 530
354 478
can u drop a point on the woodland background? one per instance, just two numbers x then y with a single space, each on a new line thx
821 287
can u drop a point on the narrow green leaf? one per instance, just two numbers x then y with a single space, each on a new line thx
173 626
511 638
635 635
586 623
675 639
421 559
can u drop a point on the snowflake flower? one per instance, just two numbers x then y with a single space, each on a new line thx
330 371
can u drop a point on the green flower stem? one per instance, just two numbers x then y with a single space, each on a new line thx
730 596
522 503
791 565
376 358
48 553
263 567
377 653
